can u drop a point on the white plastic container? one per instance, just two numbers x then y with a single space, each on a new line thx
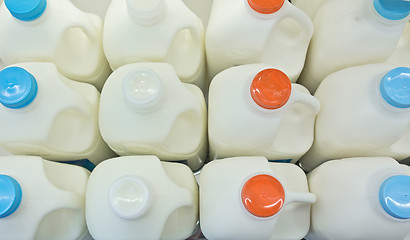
365 113
140 197
310 7
43 113
54 31
254 110
146 110
360 198
250 31
250 198
41 199
367 32
401 56
156 31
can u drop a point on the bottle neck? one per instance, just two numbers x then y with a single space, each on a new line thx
146 12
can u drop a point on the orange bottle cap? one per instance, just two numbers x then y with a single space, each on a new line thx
271 88
266 6
263 195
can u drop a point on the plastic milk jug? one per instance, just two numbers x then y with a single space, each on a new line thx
41 199
365 113
43 113
352 32
310 7
257 31
250 198
401 56
360 198
156 31
254 110
54 31
146 110
140 197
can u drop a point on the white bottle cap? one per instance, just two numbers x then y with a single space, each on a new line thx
129 197
142 88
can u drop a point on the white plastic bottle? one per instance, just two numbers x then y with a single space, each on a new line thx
360 198
201 8
254 110
352 32
310 7
365 113
43 113
401 56
253 31
41 199
54 31
146 110
156 31
250 198
140 197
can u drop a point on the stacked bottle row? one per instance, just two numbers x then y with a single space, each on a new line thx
147 58
141 197
281 113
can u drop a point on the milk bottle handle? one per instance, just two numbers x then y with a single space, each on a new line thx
306 25
304 98
402 148
303 197
77 18
66 200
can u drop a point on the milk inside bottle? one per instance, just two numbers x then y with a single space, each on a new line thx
251 31
141 197
43 113
156 31
41 199
146 110
367 32
368 196
365 113
250 198
54 31
254 110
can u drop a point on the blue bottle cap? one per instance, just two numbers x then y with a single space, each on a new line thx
392 9
394 196
395 87
26 10
18 88
10 195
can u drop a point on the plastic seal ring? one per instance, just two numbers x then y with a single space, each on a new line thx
18 88
27 10
271 88
10 195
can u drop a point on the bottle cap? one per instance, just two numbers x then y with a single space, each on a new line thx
129 197
395 87
266 6
394 196
26 10
392 9
142 88
271 88
146 11
263 195
10 195
18 88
